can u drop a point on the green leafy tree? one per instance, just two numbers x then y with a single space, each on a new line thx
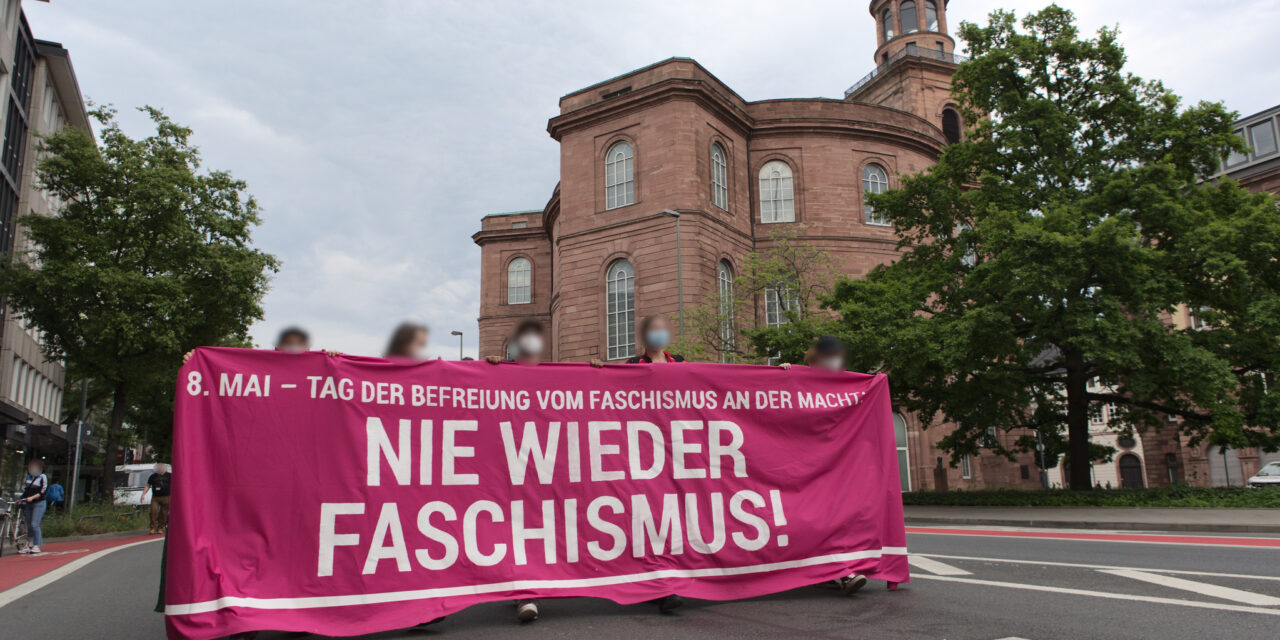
1046 255
799 274
147 258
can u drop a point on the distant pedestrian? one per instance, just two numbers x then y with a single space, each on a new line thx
35 489
158 484
56 496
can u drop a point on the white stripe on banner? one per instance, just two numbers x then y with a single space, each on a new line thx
315 602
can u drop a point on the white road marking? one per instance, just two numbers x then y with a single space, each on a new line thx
45 579
935 567
1214 591
1100 566
1104 594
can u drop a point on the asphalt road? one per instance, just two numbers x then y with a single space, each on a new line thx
964 587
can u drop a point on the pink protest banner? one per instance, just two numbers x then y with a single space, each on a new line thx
345 495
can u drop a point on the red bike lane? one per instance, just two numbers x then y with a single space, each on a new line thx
16 568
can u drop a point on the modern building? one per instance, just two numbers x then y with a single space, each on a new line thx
40 95
671 138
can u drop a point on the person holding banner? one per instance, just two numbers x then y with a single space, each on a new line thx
409 340
828 352
655 336
291 340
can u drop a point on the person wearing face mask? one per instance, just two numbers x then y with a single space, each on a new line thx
828 353
528 344
655 337
34 491
409 340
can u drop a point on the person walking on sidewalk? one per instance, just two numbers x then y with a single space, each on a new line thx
34 491
158 484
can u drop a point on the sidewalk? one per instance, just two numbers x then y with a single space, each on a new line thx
1120 518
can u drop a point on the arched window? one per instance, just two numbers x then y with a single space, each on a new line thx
904 462
620 312
777 195
1131 472
874 180
519 281
907 13
930 15
719 177
619 176
886 19
951 125
724 278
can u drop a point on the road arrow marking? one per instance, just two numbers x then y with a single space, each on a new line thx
936 568
1213 591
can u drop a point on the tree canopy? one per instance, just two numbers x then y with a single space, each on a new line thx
1048 255
146 257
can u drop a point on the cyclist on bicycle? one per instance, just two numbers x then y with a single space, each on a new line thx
33 503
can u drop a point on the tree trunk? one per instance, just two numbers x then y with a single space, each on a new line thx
1079 459
118 408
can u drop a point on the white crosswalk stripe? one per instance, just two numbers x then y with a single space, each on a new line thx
936 568
1214 591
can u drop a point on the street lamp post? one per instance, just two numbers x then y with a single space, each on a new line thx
459 334
679 269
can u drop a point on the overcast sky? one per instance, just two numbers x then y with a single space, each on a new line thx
375 134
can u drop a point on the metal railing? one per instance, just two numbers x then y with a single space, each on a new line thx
910 51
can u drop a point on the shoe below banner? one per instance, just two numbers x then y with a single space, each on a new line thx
346 495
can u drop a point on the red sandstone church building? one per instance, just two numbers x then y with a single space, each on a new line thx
672 142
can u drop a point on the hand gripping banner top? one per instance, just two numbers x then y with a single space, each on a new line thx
348 495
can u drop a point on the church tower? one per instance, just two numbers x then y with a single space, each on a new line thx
915 61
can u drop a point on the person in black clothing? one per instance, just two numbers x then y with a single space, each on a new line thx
158 484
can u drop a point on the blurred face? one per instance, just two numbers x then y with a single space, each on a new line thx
830 361
530 346
33 469
658 335
418 346
159 467
293 343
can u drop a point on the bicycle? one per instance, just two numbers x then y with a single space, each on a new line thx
13 527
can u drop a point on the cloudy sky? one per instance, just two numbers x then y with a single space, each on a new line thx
376 134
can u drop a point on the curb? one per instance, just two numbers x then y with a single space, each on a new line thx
1178 527
99 536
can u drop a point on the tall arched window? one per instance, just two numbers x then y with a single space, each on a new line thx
874 180
619 176
930 15
951 125
519 281
719 177
886 19
904 462
777 195
724 278
907 13
620 312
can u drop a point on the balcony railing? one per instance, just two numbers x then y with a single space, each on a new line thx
910 51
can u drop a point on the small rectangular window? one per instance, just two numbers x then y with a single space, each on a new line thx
1235 157
966 469
1263 138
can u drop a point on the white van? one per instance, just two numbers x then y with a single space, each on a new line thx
131 479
